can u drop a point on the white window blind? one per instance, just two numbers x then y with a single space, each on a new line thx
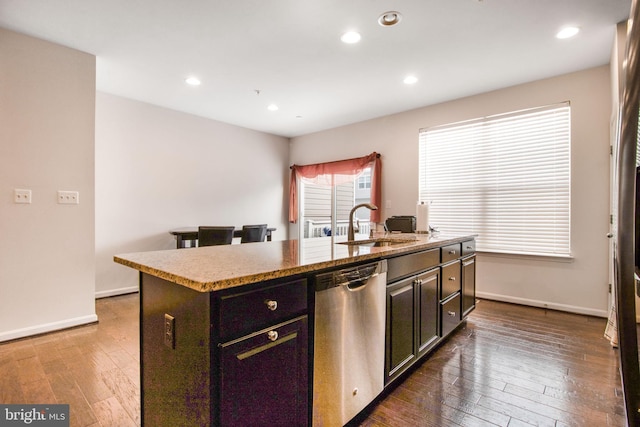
506 178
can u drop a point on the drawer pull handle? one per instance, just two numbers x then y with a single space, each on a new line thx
452 278
271 304
267 346
451 313
452 252
469 247
273 335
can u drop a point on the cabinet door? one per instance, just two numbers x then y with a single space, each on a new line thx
400 340
428 307
468 285
264 377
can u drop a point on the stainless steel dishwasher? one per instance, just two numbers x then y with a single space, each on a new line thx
349 339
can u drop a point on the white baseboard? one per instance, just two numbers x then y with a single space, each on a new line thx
543 304
47 327
115 292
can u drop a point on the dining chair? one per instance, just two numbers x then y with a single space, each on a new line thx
214 235
253 233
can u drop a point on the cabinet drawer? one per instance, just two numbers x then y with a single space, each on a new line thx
468 247
249 311
264 377
410 264
450 310
451 252
450 279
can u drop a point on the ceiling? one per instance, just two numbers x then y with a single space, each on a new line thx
249 54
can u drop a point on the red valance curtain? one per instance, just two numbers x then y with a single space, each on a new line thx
335 173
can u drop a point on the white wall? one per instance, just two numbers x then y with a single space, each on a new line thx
47 97
158 169
579 285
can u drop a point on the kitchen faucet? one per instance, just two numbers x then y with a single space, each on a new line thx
350 233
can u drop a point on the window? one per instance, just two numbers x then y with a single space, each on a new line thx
328 191
325 210
505 177
364 180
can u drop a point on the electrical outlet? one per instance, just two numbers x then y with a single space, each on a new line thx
68 197
21 196
169 331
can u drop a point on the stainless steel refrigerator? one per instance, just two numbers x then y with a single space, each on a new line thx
626 234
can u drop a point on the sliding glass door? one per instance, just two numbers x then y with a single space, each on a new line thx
324 209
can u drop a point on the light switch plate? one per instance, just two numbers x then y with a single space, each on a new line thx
21 196
68 197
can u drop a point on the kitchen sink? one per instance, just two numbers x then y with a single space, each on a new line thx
377 242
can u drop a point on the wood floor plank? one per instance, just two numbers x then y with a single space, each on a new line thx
23 350
111 413
125 391
68 392
47 352
596 414
10 388
471 421
490 415
475 412
30 369
91 384
517 412
38 392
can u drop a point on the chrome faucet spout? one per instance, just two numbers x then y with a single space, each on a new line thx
350 232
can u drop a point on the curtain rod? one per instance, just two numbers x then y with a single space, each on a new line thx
377 157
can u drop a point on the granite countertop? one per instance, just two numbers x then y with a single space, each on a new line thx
214 268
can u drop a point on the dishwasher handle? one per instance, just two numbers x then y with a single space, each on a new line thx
352 279
358 284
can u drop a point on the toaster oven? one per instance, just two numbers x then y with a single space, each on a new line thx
401 223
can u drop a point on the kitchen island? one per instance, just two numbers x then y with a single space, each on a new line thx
225 330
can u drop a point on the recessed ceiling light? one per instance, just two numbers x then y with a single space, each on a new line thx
192 81
272 107
409 80
567 32
389 19
350 37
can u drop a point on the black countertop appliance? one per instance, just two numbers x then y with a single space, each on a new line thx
401 223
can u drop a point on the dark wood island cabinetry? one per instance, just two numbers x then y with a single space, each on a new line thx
428 295
238 357
225 332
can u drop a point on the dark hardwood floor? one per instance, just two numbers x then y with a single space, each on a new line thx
508 365
94 368
511 365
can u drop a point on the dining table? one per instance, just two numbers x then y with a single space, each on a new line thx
190 234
